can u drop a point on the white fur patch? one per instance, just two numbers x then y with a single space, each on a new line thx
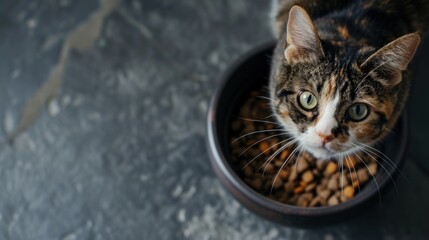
327 121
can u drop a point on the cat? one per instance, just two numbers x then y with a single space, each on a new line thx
339 78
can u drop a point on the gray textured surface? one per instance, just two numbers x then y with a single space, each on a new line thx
120 153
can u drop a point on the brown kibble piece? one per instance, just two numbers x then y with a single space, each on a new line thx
349 192
302 202
350 162
277 183
314 202
269 168
320 164
331 168
298 189
284 155
333 201
283 174
256 183
288 187
248 171
310 187
263 147
362 175
373 167
301 165
324 194
333 183
293 175
278 163
307 176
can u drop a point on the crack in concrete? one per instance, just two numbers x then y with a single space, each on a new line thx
146 33
82 38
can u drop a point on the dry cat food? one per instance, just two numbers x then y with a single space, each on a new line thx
290 176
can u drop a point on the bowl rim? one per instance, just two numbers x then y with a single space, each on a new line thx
222 166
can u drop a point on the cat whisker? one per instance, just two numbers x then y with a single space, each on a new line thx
266 98
264 139
342 178
270 116
260 121
255 132
373 177
282 166
390 130
268 161
383 157
297 159
253 159
388 173
350 171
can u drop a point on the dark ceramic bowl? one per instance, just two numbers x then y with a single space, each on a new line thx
250 72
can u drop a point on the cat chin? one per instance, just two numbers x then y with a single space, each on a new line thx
321 154
326 154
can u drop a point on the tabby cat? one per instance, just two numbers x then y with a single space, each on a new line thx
339 77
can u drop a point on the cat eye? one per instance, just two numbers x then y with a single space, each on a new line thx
307 100
358 112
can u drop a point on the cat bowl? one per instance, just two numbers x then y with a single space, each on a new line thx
251 72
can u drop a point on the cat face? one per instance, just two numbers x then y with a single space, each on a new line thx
334 104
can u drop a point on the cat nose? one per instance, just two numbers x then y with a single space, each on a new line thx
326 138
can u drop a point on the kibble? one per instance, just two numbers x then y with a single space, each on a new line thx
307 176
331 168
286 176
349 192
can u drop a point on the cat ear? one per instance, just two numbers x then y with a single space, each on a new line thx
302 41
392 59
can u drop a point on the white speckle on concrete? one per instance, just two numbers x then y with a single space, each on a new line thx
64 3
144 177
177 191
328 236
70 237
94 116
78 187
207 226
54 108
21 16
203 106
65 101
31 144
50 42
101 43
15 73
137 5
232 208
32 23
181 215
214 58
187 195
77 101
239 8
273 233
89 224
8 122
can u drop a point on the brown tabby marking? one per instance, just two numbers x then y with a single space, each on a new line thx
343 31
